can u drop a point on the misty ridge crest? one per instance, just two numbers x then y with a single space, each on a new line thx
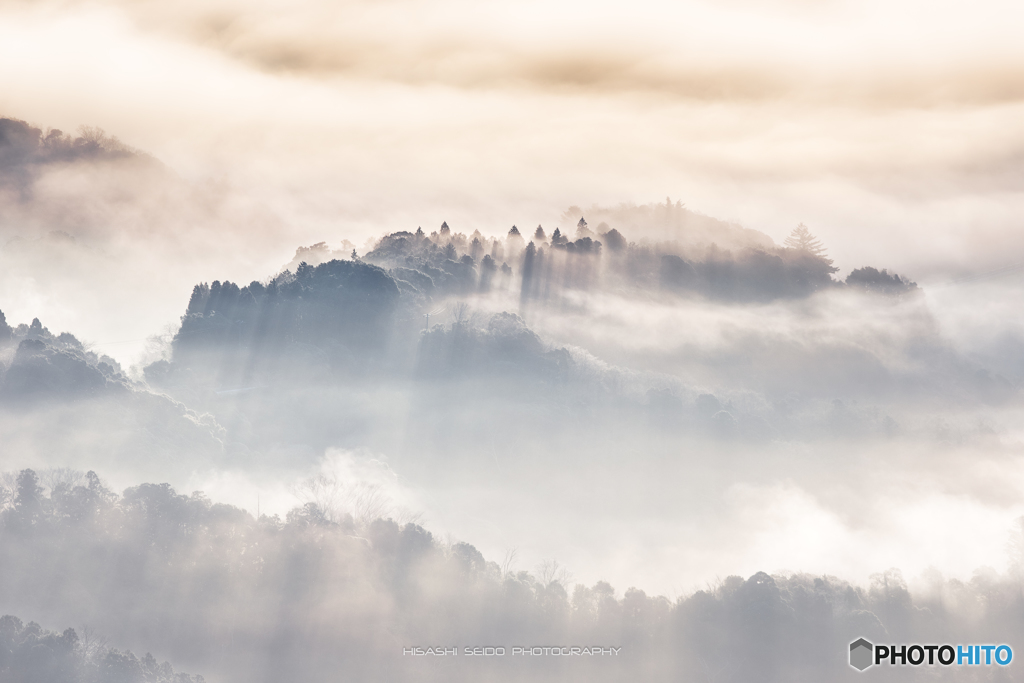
345 307
205 581
695 255
26 151
55 390
69 201
47 365
28 652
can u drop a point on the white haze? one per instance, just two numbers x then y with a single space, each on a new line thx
893 130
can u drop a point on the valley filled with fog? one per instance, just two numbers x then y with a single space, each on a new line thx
639 425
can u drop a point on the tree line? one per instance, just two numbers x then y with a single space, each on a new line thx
324 593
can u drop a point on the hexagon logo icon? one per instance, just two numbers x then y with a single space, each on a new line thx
861 654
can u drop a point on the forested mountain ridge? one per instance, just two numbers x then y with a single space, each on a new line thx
47 365
546 267
326 591
26 150
31 654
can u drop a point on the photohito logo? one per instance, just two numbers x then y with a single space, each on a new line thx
864 654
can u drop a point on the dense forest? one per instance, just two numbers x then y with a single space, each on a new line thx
31 654
545 267
332 590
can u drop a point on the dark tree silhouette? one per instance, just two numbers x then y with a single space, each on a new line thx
30 654
880 281
6 333
614 240
529 259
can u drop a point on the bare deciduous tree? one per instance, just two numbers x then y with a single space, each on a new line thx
54 477
509 563
460 312
550 571
363 501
